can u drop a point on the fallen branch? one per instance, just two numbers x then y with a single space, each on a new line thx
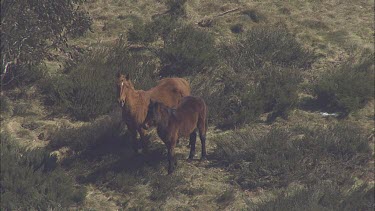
226 12
207 22
5 70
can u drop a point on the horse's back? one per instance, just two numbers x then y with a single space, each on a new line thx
192 102
192 112
178 84
170 91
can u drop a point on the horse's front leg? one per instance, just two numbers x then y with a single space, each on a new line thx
133 136
172 161
144 139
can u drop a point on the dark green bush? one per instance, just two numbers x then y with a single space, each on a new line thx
277 89
141 32
266 44
151 31
176 7
6 107
237 28
160 26
347 88
233 104
227 196
280 157
187 50
240 100
42 32
264 76
31 179
89 89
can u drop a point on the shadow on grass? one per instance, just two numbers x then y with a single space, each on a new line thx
113 160
314 105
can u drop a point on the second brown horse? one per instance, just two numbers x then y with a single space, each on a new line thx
184 121
135 103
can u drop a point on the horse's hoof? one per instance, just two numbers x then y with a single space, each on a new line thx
189 160
204 158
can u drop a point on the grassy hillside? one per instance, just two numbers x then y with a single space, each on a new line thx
289 156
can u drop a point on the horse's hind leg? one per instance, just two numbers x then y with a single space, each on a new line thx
202 136
193 139
202 127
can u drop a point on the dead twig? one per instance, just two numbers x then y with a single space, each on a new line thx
207 22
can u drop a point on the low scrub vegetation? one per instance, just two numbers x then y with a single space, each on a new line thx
263 76
347 88
31 179
187 50
267 44
322 196
89 89
301 154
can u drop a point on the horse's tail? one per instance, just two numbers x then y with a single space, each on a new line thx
203 116
206 116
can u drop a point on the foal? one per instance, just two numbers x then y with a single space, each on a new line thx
184 121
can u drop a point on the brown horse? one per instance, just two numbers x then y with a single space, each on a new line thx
184 121
135 103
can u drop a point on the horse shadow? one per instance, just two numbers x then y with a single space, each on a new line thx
115 155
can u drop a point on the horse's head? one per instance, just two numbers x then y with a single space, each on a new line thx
157 113
153 114
124 85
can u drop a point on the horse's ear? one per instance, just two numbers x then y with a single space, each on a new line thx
127 76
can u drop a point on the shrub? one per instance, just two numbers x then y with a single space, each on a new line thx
241 101
280 157
31 179
347 88
176 7
237 28
89 89
6 108
161 25
141 32
264 44
226 197
267 63
187 50
277 89
151 31
233 104
43 28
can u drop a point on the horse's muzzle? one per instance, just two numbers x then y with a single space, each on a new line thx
145 126
121 102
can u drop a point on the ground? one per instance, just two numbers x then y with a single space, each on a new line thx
116 178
